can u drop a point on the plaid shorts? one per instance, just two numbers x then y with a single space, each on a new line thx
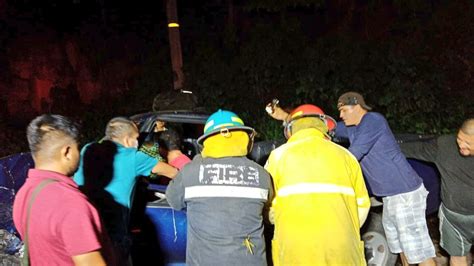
404 223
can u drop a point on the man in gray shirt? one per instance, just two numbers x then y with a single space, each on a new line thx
454 157
224 195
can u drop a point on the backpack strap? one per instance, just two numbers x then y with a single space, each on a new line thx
36 191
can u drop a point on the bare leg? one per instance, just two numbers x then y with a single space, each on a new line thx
404 259
428 262
458 261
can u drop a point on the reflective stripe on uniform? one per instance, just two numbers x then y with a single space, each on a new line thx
225 192
363 201
308 188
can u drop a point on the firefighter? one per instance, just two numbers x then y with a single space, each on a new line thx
321 199
224 195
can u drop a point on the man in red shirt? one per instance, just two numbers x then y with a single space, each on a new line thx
56 220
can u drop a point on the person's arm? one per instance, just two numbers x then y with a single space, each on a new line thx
363 213
175 193
89 259
361 194
271 168
276 112
145 165
421 150
368 132
162 168
268 212
160 126
340 133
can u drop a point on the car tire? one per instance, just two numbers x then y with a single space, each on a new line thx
377 252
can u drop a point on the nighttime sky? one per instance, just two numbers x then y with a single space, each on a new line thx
91 49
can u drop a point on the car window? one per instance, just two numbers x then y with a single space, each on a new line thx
189 134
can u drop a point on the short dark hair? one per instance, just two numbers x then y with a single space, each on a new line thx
49 127
169 140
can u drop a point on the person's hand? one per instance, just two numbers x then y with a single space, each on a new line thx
271 215
276 112
160 126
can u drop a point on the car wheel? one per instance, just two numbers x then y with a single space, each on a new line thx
375 243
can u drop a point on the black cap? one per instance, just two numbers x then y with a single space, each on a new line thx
352 98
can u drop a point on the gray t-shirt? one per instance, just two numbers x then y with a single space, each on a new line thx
457 172
224 199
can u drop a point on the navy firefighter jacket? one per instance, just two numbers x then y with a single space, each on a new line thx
224 200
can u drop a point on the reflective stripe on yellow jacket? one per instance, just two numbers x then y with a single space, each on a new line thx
319 187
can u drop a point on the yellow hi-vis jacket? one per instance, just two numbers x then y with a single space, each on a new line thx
319 187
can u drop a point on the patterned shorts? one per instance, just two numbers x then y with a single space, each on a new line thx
404 223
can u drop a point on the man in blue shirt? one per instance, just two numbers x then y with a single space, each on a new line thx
390 176
107 174
387 173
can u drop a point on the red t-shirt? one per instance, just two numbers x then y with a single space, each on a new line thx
180 161
62 221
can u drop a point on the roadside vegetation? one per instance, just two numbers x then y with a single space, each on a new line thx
418 74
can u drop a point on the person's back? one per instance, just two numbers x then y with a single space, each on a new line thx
329 218
108 173
50 220
319 192
224 206
385 167
224 195
126 166
56 221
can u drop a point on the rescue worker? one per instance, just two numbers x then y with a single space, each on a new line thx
388 174
224 194
321 199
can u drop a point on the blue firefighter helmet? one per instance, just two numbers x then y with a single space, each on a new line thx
224 121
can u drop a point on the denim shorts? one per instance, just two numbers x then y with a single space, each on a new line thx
457 231
404 223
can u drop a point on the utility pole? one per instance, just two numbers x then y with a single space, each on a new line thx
175 44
